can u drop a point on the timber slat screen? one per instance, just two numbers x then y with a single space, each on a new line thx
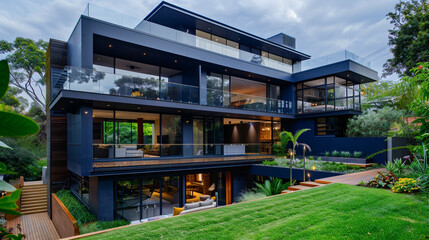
64 222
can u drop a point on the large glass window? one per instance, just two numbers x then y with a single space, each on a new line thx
218 90
122 134
80 187
325 126
171 135
327 94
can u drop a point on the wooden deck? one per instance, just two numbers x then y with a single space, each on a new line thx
36 226
352 178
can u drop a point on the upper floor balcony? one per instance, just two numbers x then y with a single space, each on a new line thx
198 39
333 58
86 80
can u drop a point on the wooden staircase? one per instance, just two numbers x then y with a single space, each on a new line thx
34 198
303 186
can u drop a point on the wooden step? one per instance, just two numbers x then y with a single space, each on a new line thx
33 211
34 191
322 181
29 199
311 184
33 195
286 191
297 188
40 186
34 204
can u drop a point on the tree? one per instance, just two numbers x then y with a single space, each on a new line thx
13 101
374 123
27 60
380 94
294 139
409 37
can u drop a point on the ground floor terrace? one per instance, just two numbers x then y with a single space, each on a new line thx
153 195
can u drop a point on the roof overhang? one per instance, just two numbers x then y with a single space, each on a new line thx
346 69
176 17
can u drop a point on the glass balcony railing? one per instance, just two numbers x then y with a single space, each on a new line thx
333 58
86 80
182 37
153 151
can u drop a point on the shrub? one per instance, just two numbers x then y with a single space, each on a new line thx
282 162
383 181
319 159
374 123
357 154
397 166
75 207
327 154
269 163
345 154
101 225
335 153
311 158
249 195
404 185
273 187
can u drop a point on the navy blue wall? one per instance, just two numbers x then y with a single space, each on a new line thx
105 199
74 46
320 144
284 173
79 141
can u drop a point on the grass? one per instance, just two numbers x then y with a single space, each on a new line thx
86 221
335 211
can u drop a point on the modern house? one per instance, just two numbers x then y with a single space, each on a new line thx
145 115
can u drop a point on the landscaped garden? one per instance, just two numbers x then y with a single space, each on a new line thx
86 221
335 211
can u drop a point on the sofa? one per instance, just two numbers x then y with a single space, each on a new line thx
195 207
198 206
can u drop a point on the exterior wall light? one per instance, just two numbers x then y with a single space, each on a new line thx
314 168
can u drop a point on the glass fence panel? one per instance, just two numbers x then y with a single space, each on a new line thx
152 151
85 80
182 37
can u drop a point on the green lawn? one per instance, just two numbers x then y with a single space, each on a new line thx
335 211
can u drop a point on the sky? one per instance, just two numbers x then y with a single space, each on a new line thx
320 27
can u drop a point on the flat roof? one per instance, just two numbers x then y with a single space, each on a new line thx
176 17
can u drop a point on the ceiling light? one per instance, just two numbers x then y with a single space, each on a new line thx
175 60
71 102
108 105
110 45
144 54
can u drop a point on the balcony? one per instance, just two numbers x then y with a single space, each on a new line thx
86 80
182 37
121 155
333 58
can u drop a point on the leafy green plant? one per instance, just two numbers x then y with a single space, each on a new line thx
311 158
285 137
319 159
101 225
269 163
357 154
383 180
327 153
75 207
273 187
249 195
345 154
335 153
396 166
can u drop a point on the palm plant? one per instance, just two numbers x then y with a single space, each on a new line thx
273 187
288 136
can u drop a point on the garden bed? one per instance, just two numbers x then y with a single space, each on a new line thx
347 160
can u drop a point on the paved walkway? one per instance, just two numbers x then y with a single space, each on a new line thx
36 226
352 178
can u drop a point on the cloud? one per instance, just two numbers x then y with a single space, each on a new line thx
320 27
